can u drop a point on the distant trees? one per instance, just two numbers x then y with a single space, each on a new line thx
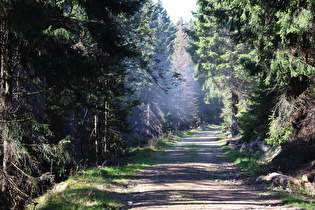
146 120
163 108
184 96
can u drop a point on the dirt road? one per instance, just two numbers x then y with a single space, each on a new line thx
195 175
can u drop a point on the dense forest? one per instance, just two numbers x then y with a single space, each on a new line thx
83 81
259 57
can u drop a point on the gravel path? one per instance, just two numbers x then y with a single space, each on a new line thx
195 175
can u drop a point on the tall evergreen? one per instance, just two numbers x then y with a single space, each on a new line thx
219 63
184 98
282 33
147 118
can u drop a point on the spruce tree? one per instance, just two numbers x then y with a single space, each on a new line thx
147 118
282 33
184 97
219 61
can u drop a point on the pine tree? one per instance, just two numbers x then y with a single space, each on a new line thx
185 98
281 32
147 118
219 63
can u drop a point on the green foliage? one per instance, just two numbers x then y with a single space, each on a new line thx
285 63
57 156
280 127
150 81
184 97
136 140
67 62
70 65
279 132
254 120
168 95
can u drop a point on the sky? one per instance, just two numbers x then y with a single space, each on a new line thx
179 8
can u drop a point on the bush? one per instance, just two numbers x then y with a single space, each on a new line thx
254 121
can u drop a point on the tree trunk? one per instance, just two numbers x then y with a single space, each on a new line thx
148 119
5 94
106 125
96 132
234 128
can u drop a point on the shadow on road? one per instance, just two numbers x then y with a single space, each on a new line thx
195 174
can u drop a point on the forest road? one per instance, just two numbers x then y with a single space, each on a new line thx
194 174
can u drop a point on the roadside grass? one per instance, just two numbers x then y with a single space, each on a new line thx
96 188
78 196
248 163
166 143
298 201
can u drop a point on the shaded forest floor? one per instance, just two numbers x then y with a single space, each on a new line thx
194 174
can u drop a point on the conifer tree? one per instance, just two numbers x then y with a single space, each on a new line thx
218 63
147 118
185 98
281 32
